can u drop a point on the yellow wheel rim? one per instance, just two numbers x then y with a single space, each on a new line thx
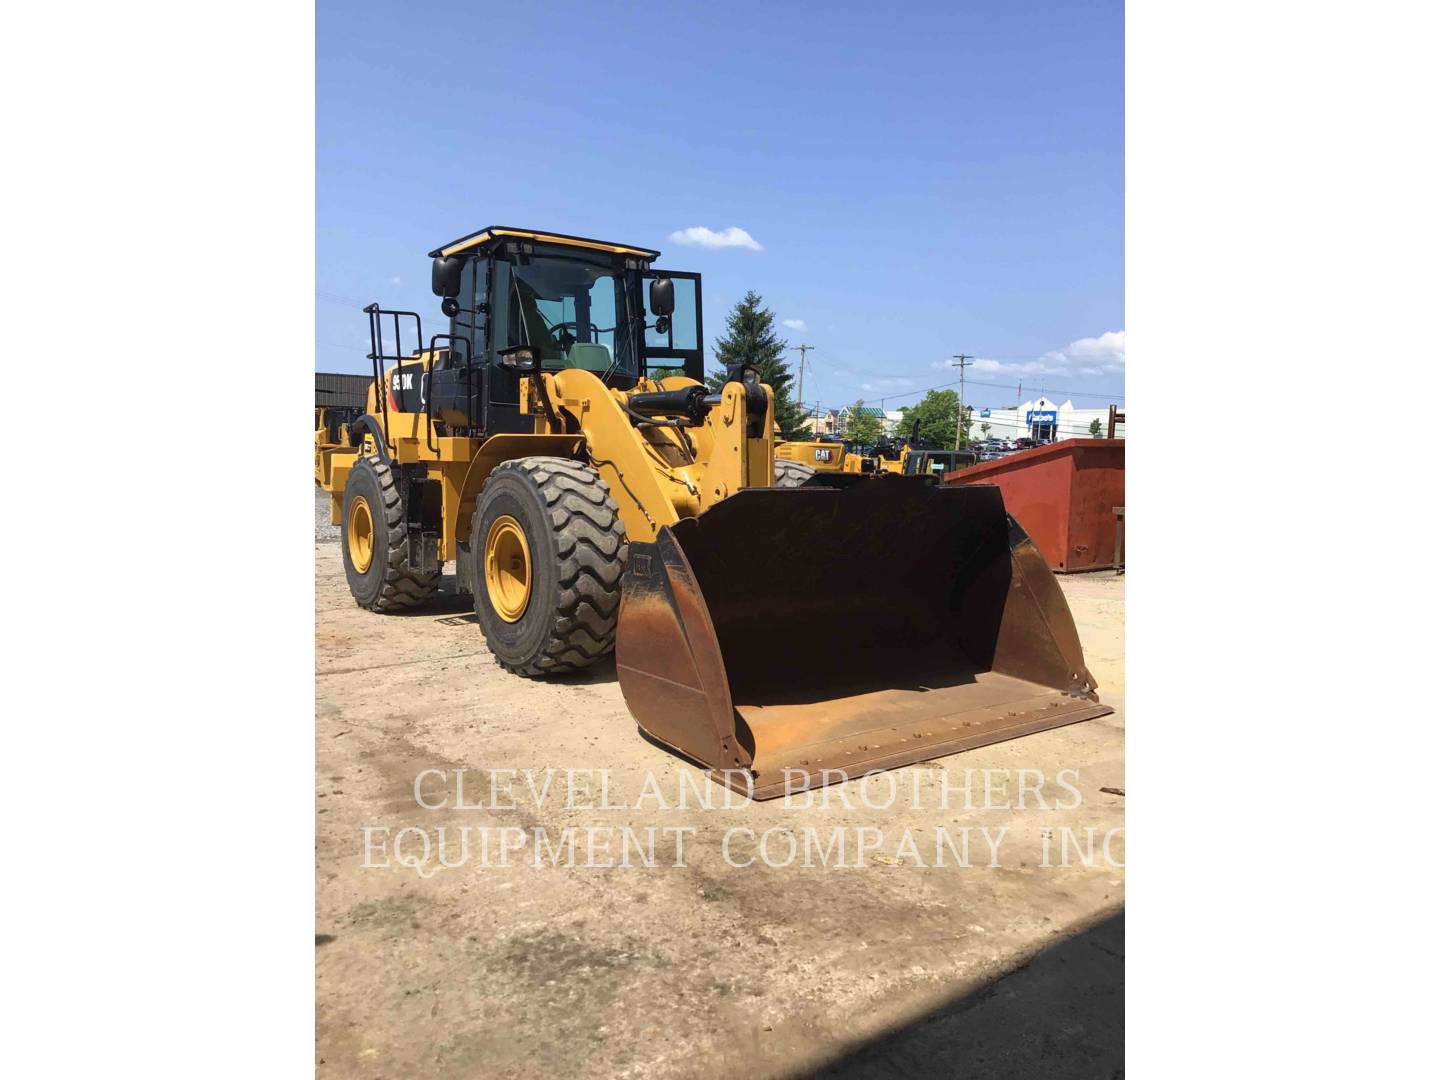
360 535
507 568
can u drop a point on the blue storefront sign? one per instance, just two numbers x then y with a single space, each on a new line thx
1041 416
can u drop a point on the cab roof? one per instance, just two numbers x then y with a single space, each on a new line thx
493 234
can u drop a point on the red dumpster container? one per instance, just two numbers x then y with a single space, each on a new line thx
1064 495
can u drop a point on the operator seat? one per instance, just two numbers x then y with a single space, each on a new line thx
592 356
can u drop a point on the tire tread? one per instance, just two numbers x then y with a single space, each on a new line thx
590 543
403 587
791 473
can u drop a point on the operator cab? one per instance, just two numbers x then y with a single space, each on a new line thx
936 463
521 301
571 312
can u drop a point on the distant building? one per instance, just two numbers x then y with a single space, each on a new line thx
1042 420
341 390
850 412
820 421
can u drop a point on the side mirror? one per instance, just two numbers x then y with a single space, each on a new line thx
450 307
662 296
445 276
519 358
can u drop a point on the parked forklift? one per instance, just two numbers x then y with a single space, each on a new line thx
557 444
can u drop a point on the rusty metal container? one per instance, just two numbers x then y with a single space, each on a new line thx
1064 495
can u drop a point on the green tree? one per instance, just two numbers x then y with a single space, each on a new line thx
1095 428
936 413
984 431
863 429
750 339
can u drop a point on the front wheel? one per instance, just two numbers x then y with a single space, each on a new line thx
549 551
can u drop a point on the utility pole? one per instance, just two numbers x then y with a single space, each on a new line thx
802 350
962 361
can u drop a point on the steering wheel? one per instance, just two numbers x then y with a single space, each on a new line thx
574 325
562 333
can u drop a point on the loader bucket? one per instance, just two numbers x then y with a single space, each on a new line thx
791 637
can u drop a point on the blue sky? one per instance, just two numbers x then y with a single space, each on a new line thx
920 180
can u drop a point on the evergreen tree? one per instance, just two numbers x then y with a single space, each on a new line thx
750 339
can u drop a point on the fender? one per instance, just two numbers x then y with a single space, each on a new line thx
368 423
460 506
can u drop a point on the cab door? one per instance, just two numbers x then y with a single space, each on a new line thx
680 349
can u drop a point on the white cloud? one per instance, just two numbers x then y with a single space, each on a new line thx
700 236
396 282
1103 355
794 324
886 385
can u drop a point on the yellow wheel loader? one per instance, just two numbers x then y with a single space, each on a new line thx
557 445
913 456
802 458
332 432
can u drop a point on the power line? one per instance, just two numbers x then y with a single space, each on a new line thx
336 298
1052 390
1001 386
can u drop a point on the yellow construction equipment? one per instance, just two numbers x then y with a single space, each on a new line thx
332 432
800 459
558 445
936 463
890 454
912 456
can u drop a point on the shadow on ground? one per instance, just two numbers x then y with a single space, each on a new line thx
1062 1015
601 671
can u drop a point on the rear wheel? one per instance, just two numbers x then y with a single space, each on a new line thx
373 541
791 473
549 551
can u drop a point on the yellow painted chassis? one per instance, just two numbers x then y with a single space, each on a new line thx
822 456
657 475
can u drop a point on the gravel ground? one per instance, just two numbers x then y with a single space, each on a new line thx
323 529
1010 965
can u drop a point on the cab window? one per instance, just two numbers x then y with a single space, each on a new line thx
572 312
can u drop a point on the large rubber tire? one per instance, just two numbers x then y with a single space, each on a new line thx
577 553
791 473
388 583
